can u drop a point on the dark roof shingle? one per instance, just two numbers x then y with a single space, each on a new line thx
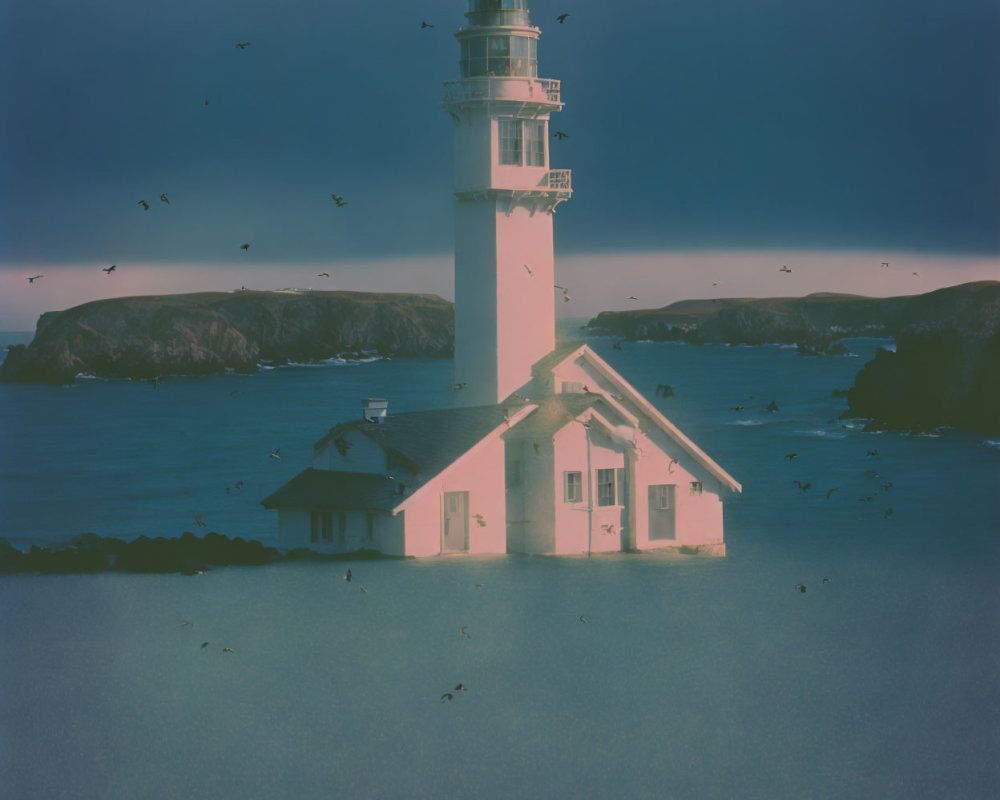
323 488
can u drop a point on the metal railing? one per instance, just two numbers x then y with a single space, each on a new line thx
559 179
544 90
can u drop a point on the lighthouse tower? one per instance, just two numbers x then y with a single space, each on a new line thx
505 196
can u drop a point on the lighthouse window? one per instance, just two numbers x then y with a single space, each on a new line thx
510 142
534 143
499 56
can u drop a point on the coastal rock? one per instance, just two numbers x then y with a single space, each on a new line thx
942 373
212 332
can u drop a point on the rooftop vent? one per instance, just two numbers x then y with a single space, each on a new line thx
374 409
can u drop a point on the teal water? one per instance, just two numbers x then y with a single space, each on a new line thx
693 678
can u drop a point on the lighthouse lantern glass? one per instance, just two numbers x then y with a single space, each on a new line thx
499 56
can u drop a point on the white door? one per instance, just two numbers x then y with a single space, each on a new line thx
662 516
455 514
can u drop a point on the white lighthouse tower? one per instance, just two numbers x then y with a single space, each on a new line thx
505 196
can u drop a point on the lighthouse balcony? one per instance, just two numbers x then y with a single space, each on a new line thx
540 92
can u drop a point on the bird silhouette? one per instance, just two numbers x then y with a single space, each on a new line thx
110 269
461 688
274 454
243 45
871 453
830 492
461 632
670 465
827 580
784 268
887 513
245 246
631 297
772 406
917 274
204 645
348 575
616 346
885 264
737 408
425 24
206 101
323 275
609 528
144 204
529 269
791 456
339 200
456 386
363 590
447 696
583 619
564 290
35 278
803 486
164 198
199 522
186 624
801 587
560 135
342 445
664 390
561 18
227 650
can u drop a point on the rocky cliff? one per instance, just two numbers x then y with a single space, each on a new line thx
945 370
210 332
812 321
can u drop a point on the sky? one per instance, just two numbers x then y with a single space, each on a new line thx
710 142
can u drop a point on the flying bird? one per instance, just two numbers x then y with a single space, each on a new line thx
144 204
791 456
323 275
827 580
917 274
772 406
885 264
461 688
364 590
186 624
245 246
803 486
342 445
35 278
243 45
583 619
348 575
199 522
529 269
670 465
447 696
871 453
609 528
110 269
164 198
339 200
664 390
830 492
737 408
461 632
425 24
456 386
616 346
887 513
274 454
784 268
801 587
631 297
561 18
227 650
204 645
560 135
564 290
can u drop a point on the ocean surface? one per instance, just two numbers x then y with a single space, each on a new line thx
692 677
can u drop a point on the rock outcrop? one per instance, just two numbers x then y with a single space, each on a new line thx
944 371
211 332
813 322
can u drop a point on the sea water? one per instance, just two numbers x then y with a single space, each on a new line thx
691 677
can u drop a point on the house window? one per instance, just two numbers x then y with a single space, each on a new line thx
606 487
341 526
695 488
513 474
510 142
661 498
321 526
369 527
573 487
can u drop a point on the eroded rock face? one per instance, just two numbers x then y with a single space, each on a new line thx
208 333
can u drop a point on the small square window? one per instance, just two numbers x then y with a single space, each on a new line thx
573 487
695 488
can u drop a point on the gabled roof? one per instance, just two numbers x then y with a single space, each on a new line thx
554 412
322 488
429 440
571 351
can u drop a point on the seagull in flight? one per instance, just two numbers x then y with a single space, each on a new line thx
323 275
784 268
560 135
339 200
565 292
110 269
456 386
583 619
35 278
631 297
274 454
243 45
885 264
803 486
245 246
790 456
561 18
462 632
801 587
144 204
529 269
830 492
164 198
425 24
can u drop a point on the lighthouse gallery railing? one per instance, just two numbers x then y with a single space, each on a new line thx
502 88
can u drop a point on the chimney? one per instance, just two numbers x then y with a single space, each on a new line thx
373 409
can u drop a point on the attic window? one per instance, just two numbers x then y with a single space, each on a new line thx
572 387
695 488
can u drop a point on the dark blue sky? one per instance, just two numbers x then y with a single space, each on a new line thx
856 124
